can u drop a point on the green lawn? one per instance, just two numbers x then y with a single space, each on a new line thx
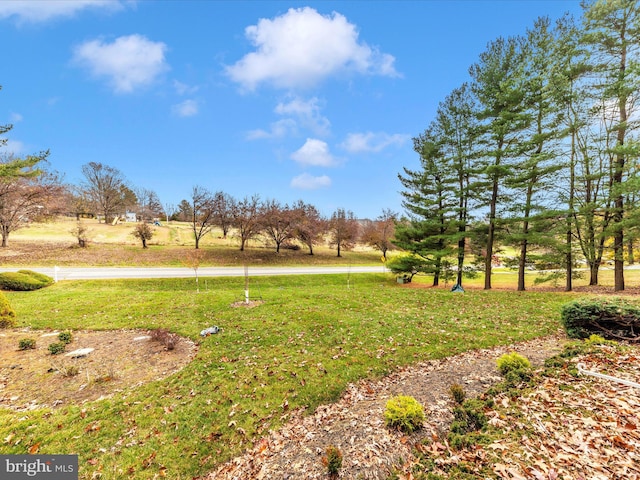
311 337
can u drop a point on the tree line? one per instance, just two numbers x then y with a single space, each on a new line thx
538 151
29 192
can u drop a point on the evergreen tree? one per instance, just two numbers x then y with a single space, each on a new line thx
612 31
498 85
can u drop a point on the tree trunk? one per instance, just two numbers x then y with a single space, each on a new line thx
490 236
593 273
572 185
631 258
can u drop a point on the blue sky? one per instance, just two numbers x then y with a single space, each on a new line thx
315 100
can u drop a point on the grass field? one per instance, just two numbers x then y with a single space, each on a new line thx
300 348
309 338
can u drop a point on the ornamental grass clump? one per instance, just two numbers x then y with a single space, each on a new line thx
404 413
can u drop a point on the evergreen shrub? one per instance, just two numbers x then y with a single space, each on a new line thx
7 314
24 281
404 413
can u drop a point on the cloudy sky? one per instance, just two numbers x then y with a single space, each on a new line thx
315 101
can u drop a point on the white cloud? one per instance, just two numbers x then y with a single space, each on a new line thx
43 10
183 88
309 182
188 108
302 47
372 142
314 152
279 129
128 63
307 112
16 117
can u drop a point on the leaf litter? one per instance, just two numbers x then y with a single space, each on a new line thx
355 423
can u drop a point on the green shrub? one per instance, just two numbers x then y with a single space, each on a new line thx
582 318
457 393
56 348
7 314
512 362
65 337
405 413
468 417
23 281
26 344
333 460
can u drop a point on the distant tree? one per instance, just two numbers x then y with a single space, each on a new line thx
143 232
169 211
310 226
223 205
343 230
26 198
107 189
184 212
202 208
78 202
278 222
379 233
246 219
81 232
149 205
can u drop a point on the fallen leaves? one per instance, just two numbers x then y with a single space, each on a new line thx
567 426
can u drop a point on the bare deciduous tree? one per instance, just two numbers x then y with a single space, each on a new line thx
310 225
246 219
278 222
378 233
202 209
223 205
23 199
143 232
343 230
107 189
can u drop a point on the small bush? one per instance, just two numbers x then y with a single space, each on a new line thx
56 348
65 337
333 460
66 370
26 344
468 417
405 413
457 393
165 337
7 314
613 317
510 362
24 281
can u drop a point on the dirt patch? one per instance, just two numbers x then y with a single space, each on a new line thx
120 359
355 424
